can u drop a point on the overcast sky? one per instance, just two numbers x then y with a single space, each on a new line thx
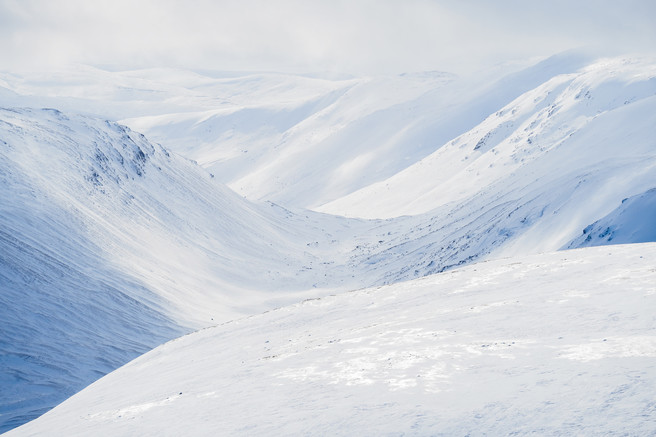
356 36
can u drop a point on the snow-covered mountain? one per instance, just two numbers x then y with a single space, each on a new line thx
111 244
574 123
552 344
298 141
542 168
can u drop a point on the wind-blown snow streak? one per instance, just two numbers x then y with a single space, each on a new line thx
551 344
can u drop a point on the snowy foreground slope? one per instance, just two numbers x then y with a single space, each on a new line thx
553 344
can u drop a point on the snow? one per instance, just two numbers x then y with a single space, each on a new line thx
295 140
631 222
550 344
573 123
111 244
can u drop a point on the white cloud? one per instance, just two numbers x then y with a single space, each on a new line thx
358 36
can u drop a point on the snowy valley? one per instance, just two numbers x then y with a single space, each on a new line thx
452 206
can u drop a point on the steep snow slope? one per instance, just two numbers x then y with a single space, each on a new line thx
634 221
553 344
69 313
110 245
551 162
582 123
154 214
529 179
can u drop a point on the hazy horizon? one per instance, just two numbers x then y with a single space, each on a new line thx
336 37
